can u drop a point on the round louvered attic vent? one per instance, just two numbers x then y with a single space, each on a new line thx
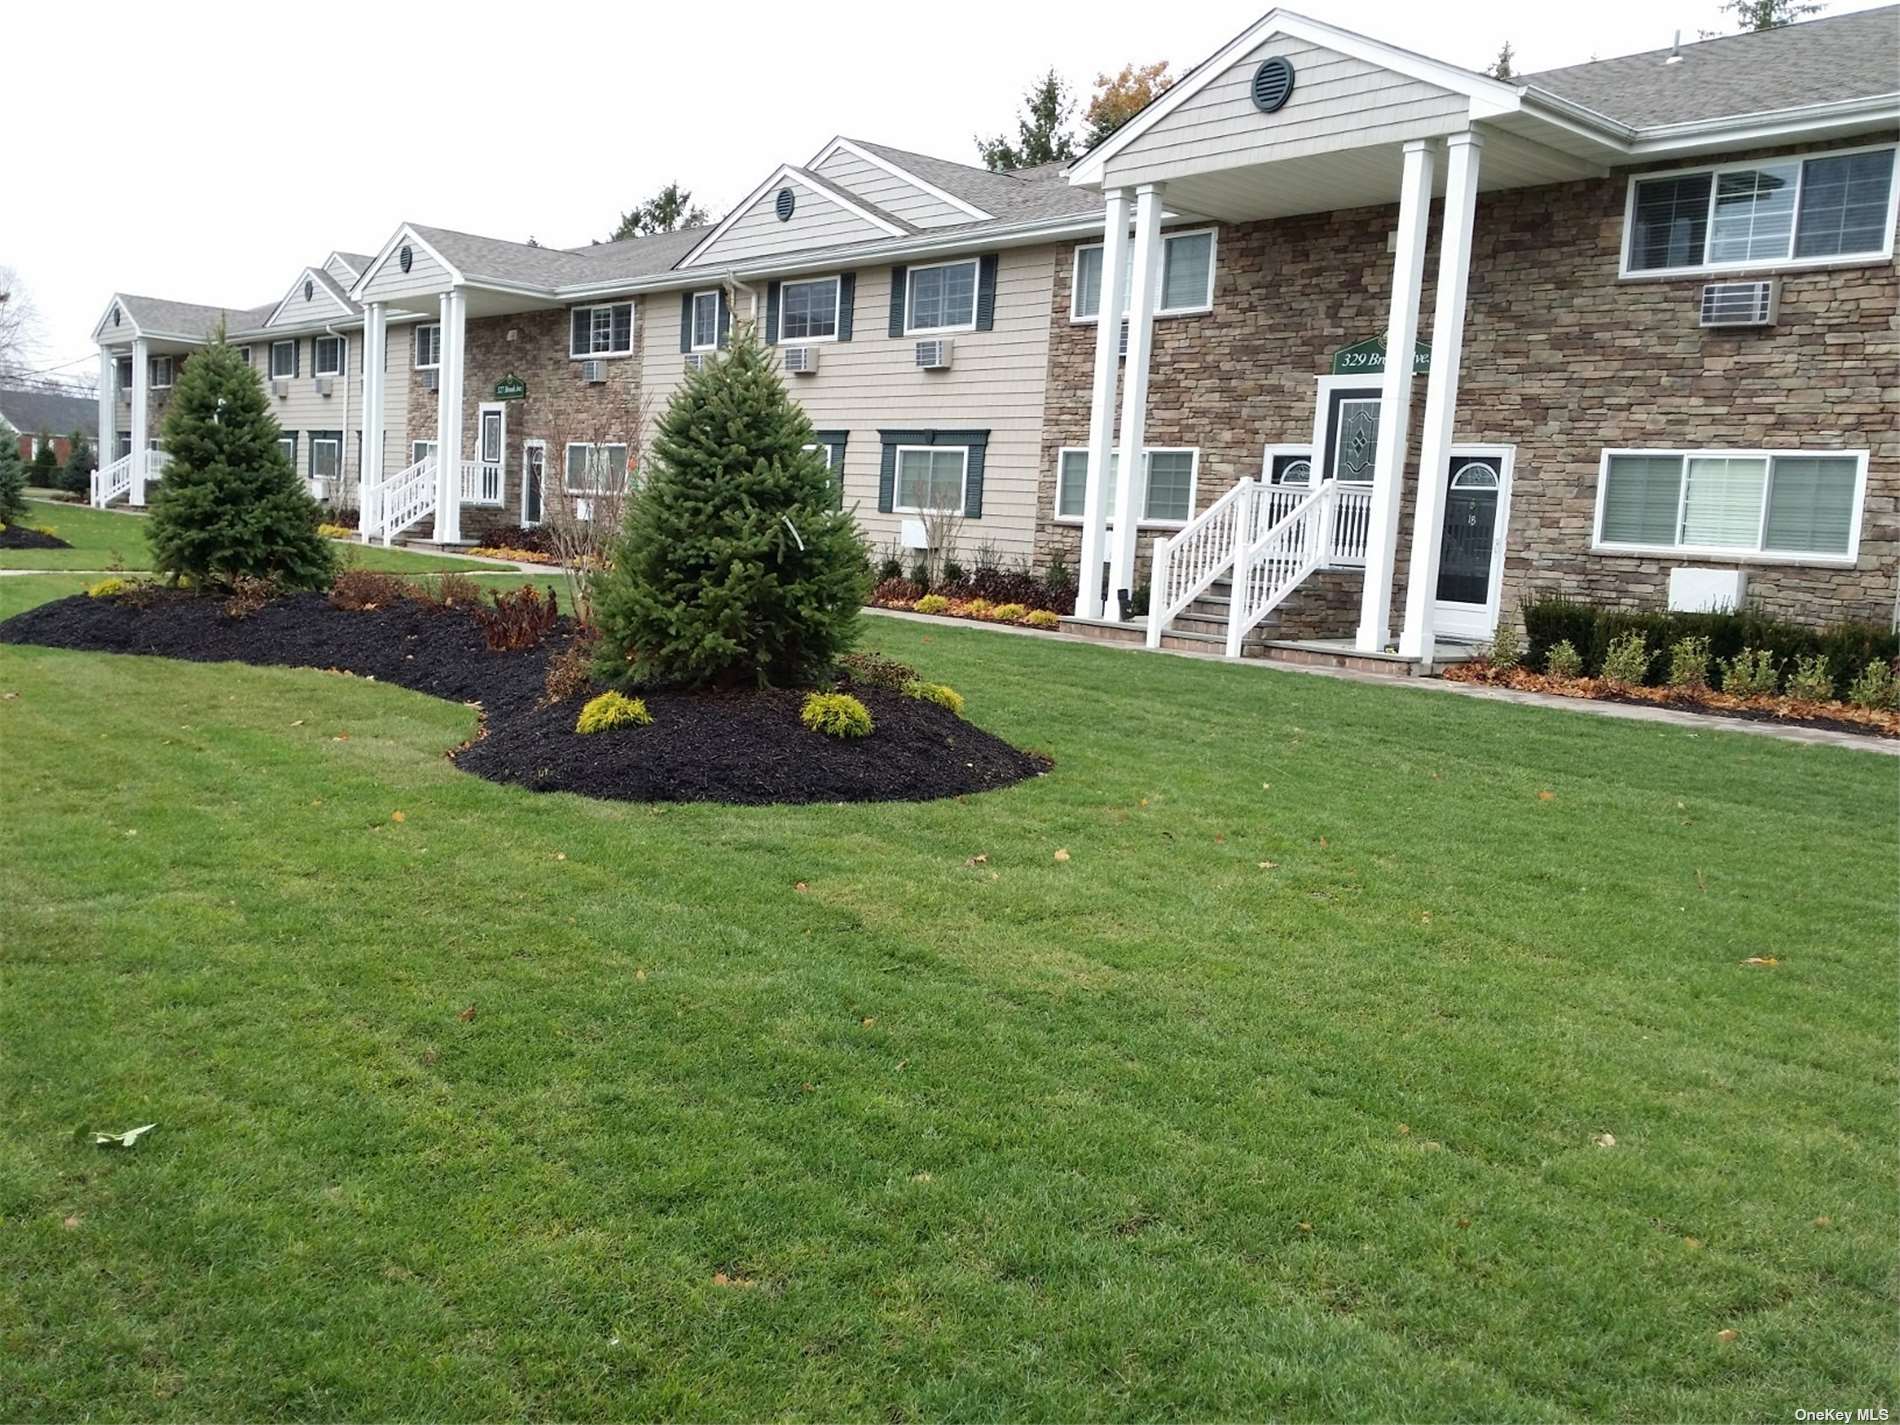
787 200
115 316
408 258
1272 85
309 289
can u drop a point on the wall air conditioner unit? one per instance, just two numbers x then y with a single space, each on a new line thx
280 389
432 380
695 361
325 385
801 360
1740 304
1124 337
934 354
594 373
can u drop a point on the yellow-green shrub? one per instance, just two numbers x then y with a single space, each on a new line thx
1007 613
978 608
932 604
836 715
612 710
1043 618
106 588
942 694
336 531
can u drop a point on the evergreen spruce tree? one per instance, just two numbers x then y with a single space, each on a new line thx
229 503
736 564
44 470
77 477
12 477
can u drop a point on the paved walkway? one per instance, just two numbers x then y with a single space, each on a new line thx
1628 712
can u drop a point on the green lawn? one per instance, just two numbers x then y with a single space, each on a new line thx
104 539
1277 1097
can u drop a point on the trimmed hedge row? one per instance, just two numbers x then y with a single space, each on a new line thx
1591 628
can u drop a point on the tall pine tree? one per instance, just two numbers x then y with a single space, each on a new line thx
230 503
12 476
736 564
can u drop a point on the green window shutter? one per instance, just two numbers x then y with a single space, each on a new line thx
973 480
296 357
686 321
897 300
834 442
887 478
847 299
724 338
771 314
986 293
578 329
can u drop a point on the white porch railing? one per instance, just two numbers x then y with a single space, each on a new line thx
404 499
1188 563
1277 563
1352 522
481 482
114 482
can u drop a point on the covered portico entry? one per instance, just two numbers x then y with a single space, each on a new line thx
1293 118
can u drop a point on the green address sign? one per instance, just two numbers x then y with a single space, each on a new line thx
511 388
1367 358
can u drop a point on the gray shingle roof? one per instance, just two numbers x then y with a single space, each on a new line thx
1022 196
1818 61
163 316
357 260
639 256
30 412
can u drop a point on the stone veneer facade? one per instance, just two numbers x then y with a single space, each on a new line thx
1561 359
558 408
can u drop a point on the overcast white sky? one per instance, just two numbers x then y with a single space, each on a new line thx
243 141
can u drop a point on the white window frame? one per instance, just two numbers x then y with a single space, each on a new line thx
1213 265
975 264
590 308
273 360
122 377
342 354
417 342
836 279
1790 263
1194 484
417 449
897 476
626 474
718 301
245 355
1730 553
169 365
316 441
531 445
1301 450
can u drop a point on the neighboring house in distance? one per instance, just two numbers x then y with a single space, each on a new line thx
58 415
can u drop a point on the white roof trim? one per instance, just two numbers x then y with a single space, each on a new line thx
319 282
342 261
389 250
125 310
922 185
1489 97
786 173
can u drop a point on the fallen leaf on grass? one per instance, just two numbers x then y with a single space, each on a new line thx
800 886
640 977
1769 960
1062 855
341 737
1269 865
920 1177
397 816
1546 796
1824 1222
1701 881
742 1283
1604 1140
1322 843
982 858
1694 1244
122 1140
1306 1227
297 723
1405 1130
1463 1223
1725 1336
560 855
71 1224
8 697
466 1015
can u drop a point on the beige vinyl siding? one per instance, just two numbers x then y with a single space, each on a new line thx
871 383
889 192
425 275
321 307
1338 102
303 410
817 221
339 270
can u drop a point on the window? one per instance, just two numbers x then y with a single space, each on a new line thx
326 455
328 356
122 445
1168 486
421 450
808 311
1741 215
930 477
705 335
1735 503
941 298
1187 276
244 355
283 360
287 446
601 331
1290 465
123 373
594 469
429 346
162 371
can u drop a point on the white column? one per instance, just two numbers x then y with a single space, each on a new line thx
1395 398
141 393
370 470
1141 330
1111 299
448 420
106 446
1441 392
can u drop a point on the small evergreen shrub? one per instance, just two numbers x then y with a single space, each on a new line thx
612 710
1507 649
932 604
1751 674
1043 618
12 479
978 608
360 590
836 715
874 670
942 694
107 588
1689 664
920 571
889 568
518 619
1875 687
1812 681
1627 662
76 478
1007 613
1563 661
952 572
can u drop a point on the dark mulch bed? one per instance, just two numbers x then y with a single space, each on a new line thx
743 747
18 536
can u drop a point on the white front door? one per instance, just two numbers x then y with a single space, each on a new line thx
491 449
1471 553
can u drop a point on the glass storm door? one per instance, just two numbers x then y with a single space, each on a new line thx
534 464
1352 434
1470 553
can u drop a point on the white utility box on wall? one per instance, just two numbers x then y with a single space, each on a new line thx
1705 591
911 532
